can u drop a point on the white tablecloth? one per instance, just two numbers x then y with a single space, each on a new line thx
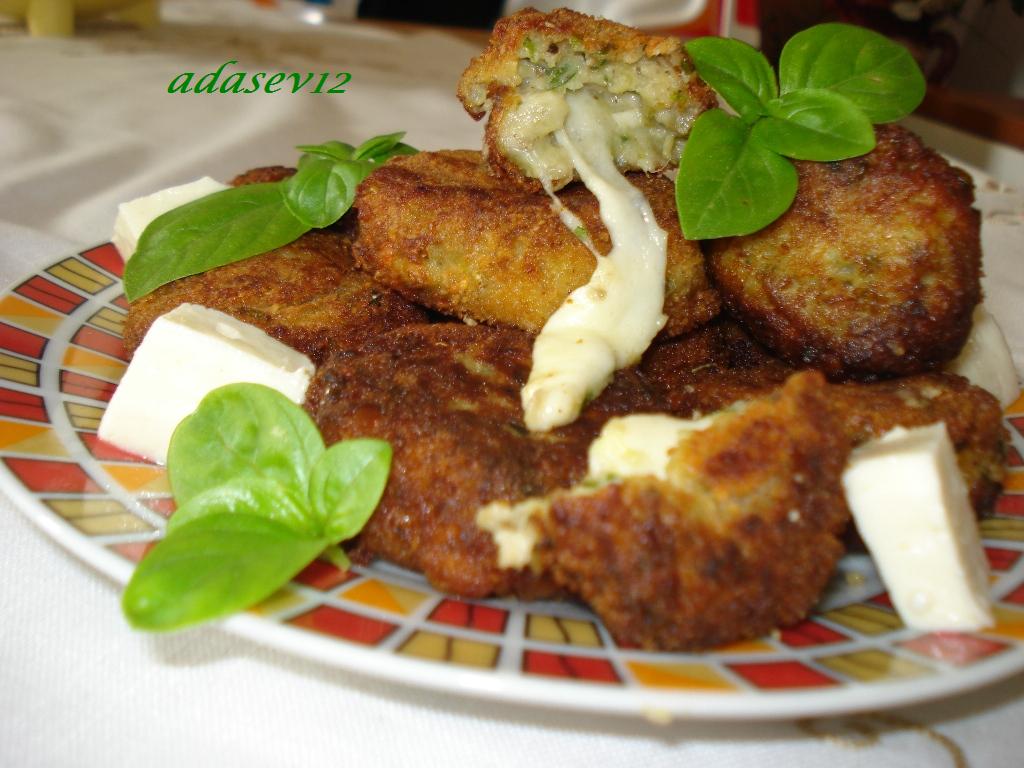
87 123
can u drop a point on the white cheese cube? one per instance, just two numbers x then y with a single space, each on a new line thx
187 353
986 361
910 505
134 216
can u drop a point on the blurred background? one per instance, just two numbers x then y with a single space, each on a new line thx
972 51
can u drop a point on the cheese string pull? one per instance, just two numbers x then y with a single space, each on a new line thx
610 321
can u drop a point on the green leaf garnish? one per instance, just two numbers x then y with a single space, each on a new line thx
258 499
242 430
321 190
238 223
735 185
878 75
249 495
834 81
380 148
740 74
346 484
815 124
213 566
219 229
332 150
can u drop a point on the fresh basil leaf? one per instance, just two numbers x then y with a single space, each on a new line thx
332 150
878 75
336 556
815 124
320 191
380 148
242 430
219 229
213 566
740 73
346 484
729 183
251 495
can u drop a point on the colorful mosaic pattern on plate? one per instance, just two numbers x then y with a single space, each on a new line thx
61 357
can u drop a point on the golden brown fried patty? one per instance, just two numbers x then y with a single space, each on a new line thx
534 58
720 364
444 232
263 175
447 397
973 419
740 538
874 270
307 294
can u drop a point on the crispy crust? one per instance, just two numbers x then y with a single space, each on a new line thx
447 398
306 294
740 539
490 82
874 271
720 364
263 175
495 70
441 230
973 419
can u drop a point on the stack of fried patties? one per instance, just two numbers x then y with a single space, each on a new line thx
421 305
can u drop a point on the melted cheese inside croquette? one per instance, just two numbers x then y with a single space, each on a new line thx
610 321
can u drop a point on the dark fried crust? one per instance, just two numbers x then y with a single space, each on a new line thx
496 68
264 175
740 539
720 364
307 294
973 419
874 270
447 398
441 230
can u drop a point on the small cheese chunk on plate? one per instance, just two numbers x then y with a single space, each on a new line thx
186 353
910 504
134 216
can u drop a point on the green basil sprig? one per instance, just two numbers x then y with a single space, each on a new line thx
259 497
834 82
245 221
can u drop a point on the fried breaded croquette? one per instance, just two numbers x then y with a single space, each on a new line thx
307 294
740 538
720 364
646 84
973 419
873 271
446 396
444 232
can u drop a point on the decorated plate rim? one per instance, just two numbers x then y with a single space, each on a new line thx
691 699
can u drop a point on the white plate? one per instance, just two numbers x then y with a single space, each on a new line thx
60 357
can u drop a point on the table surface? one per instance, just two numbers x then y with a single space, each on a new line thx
88 123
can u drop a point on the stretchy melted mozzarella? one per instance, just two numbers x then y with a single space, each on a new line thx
609 322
